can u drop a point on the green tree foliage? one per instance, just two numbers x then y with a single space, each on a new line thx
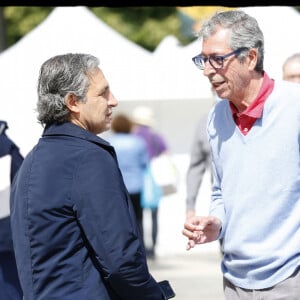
22 19
2 30
146 26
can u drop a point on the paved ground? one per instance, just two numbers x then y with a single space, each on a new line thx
193 276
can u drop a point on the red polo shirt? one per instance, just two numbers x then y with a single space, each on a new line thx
245 120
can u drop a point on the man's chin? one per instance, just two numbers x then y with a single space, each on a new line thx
102 129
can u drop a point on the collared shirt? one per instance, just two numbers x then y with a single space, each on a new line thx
245 120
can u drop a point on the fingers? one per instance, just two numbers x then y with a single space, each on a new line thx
198 238
191 244
188 233
199 230
192 230
192 233
193 224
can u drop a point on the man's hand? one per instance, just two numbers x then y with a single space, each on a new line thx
200 230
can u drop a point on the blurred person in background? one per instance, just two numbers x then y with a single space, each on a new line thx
133 159
200 160
10 162
74 228
291 68
143 119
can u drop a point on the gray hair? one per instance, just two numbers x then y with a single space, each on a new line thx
245 32
59 77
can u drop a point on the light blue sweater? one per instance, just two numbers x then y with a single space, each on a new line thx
256 189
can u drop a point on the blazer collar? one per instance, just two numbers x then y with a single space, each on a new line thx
70 129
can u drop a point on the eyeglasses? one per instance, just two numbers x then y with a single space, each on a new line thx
216 61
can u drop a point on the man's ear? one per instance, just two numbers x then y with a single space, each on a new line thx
72 102
252 58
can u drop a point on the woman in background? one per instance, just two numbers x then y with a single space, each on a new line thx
133 159
143 119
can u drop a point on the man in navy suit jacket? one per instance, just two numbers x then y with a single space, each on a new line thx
74 228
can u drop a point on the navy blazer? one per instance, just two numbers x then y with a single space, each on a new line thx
74 229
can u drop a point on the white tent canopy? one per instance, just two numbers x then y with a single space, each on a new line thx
66 29
135 75
178 77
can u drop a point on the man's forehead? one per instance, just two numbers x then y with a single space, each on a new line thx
217 42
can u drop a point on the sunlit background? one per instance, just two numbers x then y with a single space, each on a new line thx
145 53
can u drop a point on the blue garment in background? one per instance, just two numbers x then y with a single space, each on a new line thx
132 157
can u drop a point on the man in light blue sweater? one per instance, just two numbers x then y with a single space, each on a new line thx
254 138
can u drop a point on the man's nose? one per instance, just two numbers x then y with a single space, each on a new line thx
112 101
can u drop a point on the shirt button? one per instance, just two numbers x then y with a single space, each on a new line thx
246 129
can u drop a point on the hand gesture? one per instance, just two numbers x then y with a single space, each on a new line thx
200 230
